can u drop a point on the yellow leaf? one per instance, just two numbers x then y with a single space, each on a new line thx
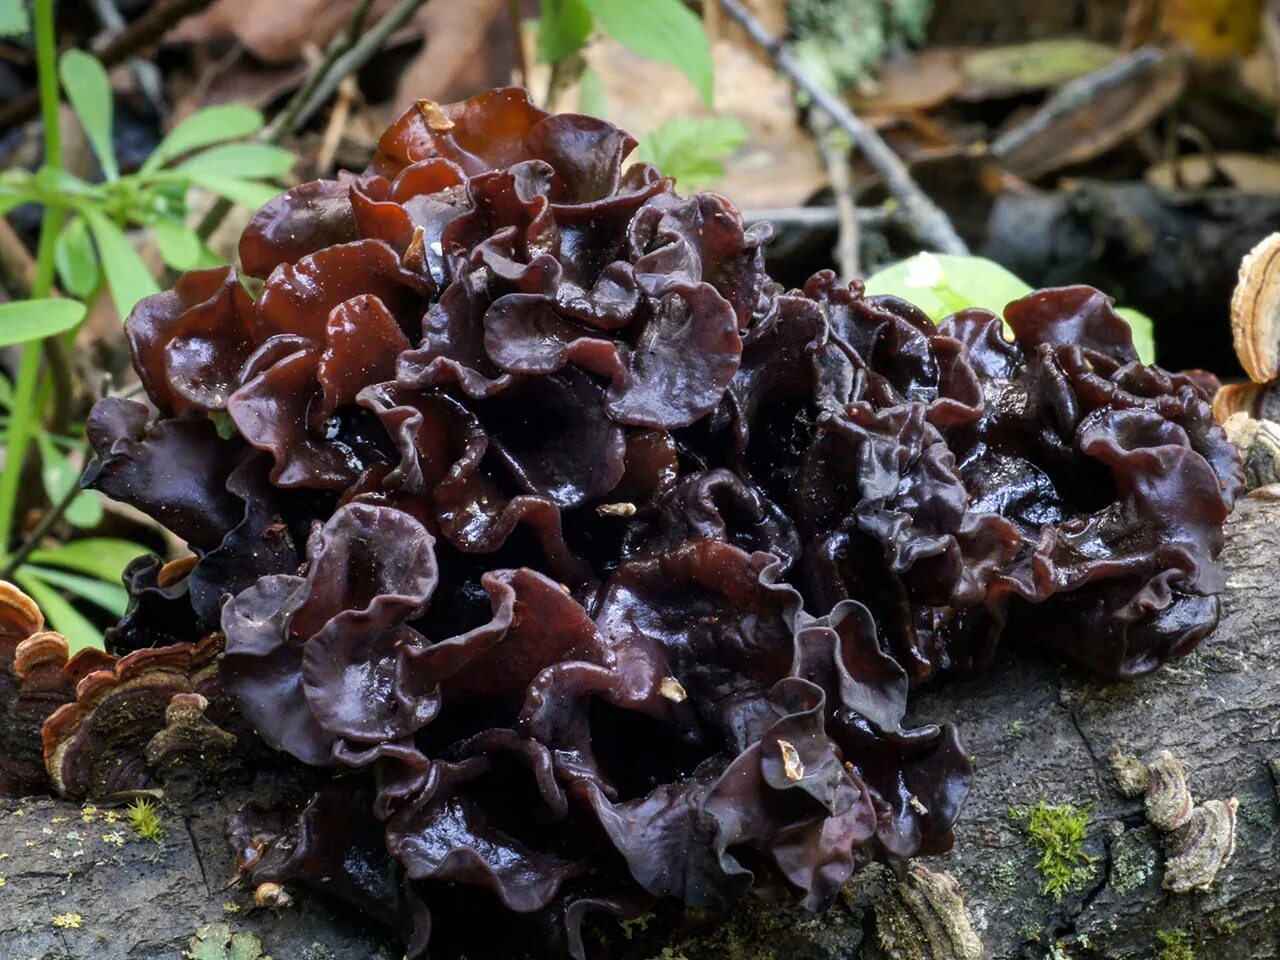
1214 29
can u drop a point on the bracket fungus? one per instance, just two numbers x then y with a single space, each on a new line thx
1250 412
923 918
37 676
1199 838
588 567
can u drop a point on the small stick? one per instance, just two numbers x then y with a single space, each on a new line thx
711 22
835 155
1271 35
818 216
514 7
145 72
17 266
51 516
927 219
337 126
143 32
353 59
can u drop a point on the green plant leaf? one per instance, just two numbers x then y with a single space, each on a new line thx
1144 333
25 320
89 89
67 186
205 127
76 259
102 557
111 597
10 202
127 275
179 244
60 614
208 259
691 150
943 284
246 161
247 193
564 27
14 21
662 30
591 94
60 476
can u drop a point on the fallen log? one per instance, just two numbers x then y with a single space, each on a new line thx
78 882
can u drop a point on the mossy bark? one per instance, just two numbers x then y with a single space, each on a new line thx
1037 730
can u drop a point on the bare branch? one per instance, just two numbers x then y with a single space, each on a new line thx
926 218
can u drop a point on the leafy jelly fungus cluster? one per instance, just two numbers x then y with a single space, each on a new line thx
594 567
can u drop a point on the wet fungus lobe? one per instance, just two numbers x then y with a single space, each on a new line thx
594 568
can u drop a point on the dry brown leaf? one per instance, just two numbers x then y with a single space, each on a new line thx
778 166
273 30
772 14
1088 117
1246 172
470 47
238 78
1255 314
919 82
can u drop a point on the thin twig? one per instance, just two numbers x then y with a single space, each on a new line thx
337 125
32 542
711 21
818 217
557 79
143 32
17 266
129 392
929 222
344 57
835 155
1271 36
516 10
353 59
285 121
145 72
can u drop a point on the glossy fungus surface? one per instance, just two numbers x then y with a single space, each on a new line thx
593 567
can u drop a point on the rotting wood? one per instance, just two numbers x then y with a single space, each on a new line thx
1038 730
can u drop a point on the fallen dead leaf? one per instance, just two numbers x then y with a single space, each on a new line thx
1093 114
471 47
238 78
778 165
919 82
274 31
1246 172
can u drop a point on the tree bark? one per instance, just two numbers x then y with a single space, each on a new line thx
1038 731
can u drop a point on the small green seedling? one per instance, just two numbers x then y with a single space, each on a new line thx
144 819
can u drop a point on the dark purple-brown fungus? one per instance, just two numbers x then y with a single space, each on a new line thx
593 567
